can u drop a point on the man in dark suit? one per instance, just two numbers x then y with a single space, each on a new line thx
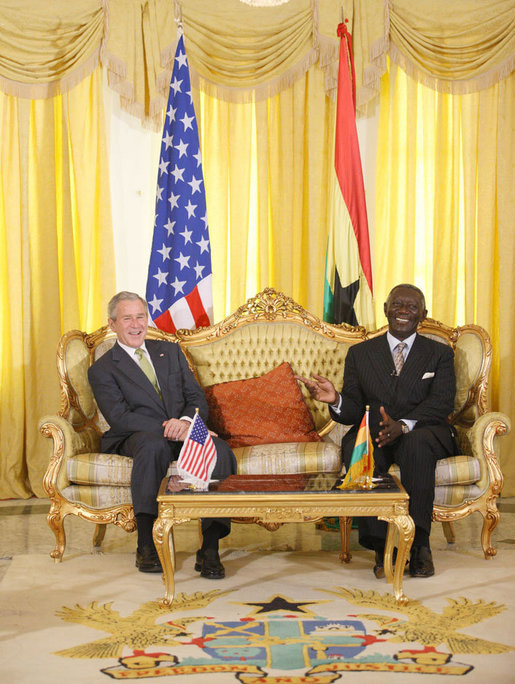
410 390
148 395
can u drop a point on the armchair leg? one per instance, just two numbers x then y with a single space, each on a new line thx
490 520
98 536
345 530
448 530
55 520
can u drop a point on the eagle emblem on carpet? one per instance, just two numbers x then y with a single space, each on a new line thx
281 635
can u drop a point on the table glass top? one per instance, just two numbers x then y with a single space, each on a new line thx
299 482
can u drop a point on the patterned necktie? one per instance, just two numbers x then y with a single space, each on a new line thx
146 367
398 357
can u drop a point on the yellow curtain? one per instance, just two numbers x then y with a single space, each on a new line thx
444 214
267 168
56 259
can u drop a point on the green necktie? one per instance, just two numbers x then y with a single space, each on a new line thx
146 367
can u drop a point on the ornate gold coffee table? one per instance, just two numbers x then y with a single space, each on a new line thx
281 499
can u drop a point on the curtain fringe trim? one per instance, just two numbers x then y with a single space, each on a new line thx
329 60
43 91
117 81
258 92
452 86
377 51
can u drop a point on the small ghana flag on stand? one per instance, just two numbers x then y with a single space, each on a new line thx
361 467
348 274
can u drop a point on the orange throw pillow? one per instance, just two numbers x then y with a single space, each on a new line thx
264 410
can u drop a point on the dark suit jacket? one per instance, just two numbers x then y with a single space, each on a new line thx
128 400
369 378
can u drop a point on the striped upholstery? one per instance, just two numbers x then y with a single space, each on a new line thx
98 479
455 470
455 479
455 495
101 496
303 457
99 469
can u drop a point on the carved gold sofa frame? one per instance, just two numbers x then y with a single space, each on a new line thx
269 329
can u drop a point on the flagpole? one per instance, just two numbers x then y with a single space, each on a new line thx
368 478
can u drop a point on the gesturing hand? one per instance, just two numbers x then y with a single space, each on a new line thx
320 388
391 429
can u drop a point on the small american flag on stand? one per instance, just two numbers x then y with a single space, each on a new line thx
179 291
198 455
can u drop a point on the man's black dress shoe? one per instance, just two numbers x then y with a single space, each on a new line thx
379 565
421 562
147 560
208 564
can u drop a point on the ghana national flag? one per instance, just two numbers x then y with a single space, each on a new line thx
348 274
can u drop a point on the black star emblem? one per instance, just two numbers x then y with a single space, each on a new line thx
280 603
344 298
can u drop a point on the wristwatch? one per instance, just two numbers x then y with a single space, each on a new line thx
404 427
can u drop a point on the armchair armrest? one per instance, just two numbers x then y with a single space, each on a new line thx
67 442
483 438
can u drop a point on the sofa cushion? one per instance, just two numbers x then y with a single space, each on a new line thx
263 410
455 470
456 495
99 469
304 457
102 496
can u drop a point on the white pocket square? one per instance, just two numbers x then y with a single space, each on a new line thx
428 375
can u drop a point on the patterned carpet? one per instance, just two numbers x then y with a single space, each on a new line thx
279 616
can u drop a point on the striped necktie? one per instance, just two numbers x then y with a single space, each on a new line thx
398 357
146 367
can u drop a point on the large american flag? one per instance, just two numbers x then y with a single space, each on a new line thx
179 292
197 457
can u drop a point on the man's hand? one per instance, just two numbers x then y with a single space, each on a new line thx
175 429
320 388
391 431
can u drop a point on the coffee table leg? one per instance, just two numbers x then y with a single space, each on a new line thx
164 542
406 531
345 530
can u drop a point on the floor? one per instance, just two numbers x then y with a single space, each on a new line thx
25 531
31 627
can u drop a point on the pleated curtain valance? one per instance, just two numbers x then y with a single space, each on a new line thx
47 48
239 52
458 47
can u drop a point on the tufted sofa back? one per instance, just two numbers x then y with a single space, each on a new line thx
259 346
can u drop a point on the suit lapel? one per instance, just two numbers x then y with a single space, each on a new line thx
414 367
132 370
161 365
381 364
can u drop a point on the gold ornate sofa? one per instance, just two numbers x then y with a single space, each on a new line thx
268 330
